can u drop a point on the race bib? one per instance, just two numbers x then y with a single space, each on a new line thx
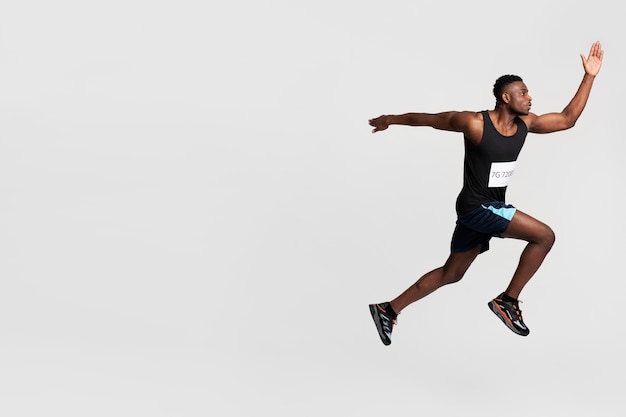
501 173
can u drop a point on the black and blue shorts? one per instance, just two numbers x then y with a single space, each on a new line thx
481 224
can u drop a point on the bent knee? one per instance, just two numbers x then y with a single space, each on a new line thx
451 276
548 237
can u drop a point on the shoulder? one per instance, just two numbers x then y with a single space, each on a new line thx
528 119
464 120
471 124
470 116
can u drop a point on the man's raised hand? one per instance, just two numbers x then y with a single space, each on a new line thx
593 62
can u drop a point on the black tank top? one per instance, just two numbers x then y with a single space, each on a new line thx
489 166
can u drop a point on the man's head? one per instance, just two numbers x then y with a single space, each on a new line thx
511 91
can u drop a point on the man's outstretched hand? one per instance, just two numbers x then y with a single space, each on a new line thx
379 123
593 62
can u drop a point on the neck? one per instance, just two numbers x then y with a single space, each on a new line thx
502 116
504 121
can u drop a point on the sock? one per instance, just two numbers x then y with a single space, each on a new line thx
507 298
392 313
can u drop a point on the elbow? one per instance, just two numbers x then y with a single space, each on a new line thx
567 124
570 119
561 127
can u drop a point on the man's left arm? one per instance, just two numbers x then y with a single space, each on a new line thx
553 122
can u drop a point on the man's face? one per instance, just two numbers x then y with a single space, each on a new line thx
517 98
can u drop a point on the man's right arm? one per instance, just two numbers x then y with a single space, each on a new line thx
454 121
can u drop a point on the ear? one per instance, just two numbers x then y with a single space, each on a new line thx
506 97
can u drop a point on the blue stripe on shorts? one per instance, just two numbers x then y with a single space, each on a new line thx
506 211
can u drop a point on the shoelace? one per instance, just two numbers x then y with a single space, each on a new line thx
518 310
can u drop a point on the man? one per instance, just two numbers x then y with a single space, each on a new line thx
493 140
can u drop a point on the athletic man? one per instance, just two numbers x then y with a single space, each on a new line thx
493 140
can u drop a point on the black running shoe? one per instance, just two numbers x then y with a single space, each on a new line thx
510 314
381 313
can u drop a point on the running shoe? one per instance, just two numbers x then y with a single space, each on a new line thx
381 313
510 314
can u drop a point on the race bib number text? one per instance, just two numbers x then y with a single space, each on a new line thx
501 173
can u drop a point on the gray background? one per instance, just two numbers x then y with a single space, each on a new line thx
194 214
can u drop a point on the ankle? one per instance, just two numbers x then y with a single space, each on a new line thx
392 311
508 298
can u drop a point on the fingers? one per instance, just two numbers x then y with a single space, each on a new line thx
593 61
375 123
599 53
596 50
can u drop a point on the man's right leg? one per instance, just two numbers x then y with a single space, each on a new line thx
384 314
452 271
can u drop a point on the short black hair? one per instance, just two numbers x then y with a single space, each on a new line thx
502 82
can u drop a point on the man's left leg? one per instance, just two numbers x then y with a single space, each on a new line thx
540 238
